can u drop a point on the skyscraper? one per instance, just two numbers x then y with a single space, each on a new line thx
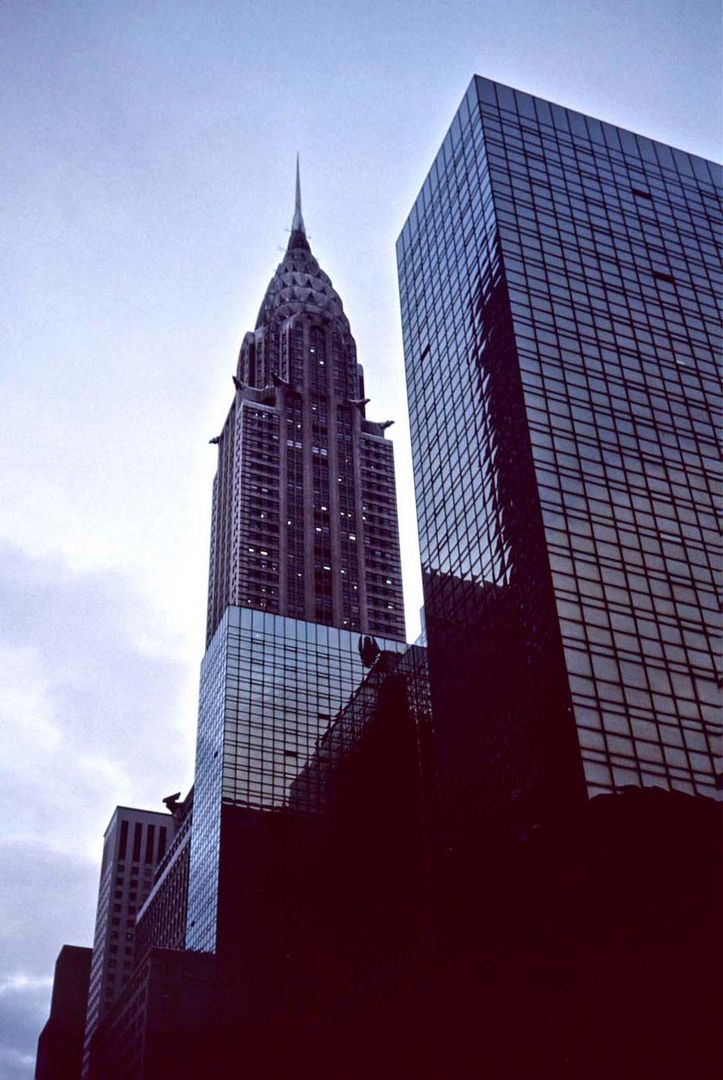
134 843
558 282
304 517
304 559
304 595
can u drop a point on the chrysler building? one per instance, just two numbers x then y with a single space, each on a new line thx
304 508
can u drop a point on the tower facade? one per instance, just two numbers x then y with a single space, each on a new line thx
134 843
304 520
558 278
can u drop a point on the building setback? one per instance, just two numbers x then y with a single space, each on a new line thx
304 520
558 281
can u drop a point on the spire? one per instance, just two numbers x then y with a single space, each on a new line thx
298 221
298 232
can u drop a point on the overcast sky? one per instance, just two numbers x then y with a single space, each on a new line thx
147 189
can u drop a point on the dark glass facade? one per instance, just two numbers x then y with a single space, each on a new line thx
161 921
270 688
324 904
558 281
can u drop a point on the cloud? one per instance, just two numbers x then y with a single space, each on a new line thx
16 1066
93 708
46 900
23 1012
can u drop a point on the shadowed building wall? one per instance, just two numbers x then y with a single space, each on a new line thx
60 1046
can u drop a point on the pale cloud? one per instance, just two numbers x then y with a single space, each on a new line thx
24 698
23 1012
16 1066
95 712
13 983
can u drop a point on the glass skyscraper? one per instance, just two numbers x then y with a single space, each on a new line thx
559 280
271 690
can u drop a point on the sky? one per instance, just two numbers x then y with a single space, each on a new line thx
147 182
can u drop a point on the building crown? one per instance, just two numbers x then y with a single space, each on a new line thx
299 284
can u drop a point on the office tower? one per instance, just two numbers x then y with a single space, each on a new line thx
60 1046
309 851
304 558
134 843
304 520
558 282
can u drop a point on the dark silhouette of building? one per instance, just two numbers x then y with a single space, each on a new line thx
304 506
163 1022
60 1046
